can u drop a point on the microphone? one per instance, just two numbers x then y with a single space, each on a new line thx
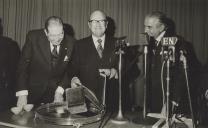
183 58
144 39
168 49
121 43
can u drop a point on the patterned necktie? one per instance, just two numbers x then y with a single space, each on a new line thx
54 51
155 46
100 48
54 54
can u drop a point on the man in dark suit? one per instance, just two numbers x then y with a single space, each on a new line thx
45 57
157 26
9 56
94 56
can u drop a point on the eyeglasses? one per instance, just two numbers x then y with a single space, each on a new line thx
97 21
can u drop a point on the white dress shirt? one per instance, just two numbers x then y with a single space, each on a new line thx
95 39
159 38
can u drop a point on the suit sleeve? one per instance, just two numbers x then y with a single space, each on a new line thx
73 67
65 80
14 53
114 58
24 63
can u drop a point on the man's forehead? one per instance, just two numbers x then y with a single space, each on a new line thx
55 29
97 16
151 21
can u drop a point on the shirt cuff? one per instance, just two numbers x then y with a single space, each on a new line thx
22 92
60 90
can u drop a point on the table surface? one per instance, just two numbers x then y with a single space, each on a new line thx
28 120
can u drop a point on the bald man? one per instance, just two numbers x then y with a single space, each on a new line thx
45 56
94 56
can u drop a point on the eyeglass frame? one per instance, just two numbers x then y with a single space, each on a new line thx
97 21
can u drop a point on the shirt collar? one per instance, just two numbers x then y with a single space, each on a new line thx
51 46
159 38
96 38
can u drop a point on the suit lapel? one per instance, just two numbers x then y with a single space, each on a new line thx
44 46
108 46
93 48
62 51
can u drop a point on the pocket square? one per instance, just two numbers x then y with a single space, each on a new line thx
66 58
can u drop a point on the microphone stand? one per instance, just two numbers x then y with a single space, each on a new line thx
167 93
145 81
143 119
188 89
166 58
119 119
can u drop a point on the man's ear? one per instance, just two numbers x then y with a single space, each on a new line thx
89 25
163 28
45 31
106 24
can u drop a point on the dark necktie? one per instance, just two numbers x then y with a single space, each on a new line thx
155 46
54 54
100 48
54 51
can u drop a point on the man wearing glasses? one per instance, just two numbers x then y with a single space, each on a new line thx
45 56
94 56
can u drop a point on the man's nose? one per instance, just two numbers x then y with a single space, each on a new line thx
146 30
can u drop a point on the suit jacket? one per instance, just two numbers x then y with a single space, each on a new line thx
9 56
35 73
86 62
177 76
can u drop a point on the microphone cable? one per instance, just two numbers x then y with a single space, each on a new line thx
187 86
103 102
162 83
103 121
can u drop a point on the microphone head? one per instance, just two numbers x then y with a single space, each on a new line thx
121 43
143 39
121 38
169 41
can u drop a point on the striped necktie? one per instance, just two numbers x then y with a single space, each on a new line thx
100 48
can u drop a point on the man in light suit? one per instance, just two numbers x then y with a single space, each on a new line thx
94 56
45 57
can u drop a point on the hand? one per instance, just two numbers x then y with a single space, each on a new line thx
104 72
75 82
174 106
163 111
206 94
174 103
22 101
58 97
113 73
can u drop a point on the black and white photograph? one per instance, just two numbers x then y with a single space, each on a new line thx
103 63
